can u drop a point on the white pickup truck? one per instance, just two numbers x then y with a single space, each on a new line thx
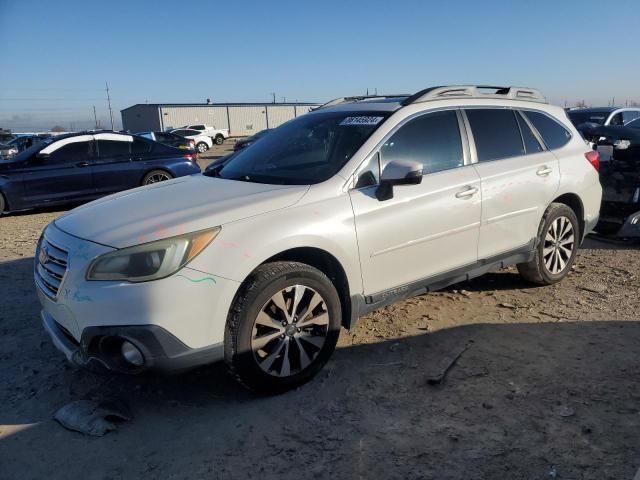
218 135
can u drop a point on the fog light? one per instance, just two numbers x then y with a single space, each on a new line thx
131 354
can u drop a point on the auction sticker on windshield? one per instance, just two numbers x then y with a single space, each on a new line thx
361 121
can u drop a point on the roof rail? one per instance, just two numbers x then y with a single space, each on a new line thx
476 91
358 98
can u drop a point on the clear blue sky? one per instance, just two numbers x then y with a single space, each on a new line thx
57 55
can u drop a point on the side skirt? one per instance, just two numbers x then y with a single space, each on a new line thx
365 304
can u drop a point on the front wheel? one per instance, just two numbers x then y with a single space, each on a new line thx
283 327
558 241
3 204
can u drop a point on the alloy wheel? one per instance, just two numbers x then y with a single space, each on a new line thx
157 177
559 243
290 331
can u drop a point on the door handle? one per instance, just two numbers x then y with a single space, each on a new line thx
467 192
82 164
544 171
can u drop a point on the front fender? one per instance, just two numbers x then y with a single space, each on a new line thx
243 245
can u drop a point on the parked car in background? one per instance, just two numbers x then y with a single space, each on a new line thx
171 139
8 150
21 143
336 213
202 142
619 149
6 136
85 166
246 141
218 135
603 115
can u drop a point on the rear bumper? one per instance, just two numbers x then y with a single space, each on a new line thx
100 347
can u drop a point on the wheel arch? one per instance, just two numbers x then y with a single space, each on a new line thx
327 264
574 202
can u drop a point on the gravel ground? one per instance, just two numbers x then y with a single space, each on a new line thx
546 386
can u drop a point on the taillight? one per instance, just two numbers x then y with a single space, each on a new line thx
192 143
191 156
594 159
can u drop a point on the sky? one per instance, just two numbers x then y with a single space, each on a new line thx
57 56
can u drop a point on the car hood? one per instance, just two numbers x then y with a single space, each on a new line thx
174 207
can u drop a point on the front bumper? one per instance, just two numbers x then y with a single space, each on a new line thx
99 346
177 322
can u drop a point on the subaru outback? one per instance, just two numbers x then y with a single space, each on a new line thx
356 205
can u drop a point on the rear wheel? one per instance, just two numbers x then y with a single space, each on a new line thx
3 204
283 327
558 241
202 147
155 176
219 139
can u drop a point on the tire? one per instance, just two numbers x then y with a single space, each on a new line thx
3 204
267 354
219 139
557 246
202 147
155 176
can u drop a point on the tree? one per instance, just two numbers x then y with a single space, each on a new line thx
58 128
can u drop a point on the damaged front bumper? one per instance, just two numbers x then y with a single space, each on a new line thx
100 348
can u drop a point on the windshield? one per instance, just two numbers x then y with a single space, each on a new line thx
309 149
578 118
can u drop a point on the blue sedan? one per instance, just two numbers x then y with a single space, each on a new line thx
84 166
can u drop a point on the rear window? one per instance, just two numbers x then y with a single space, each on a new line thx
496 133
553 134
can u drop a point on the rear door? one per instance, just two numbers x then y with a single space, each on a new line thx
519 179
63 175
113 168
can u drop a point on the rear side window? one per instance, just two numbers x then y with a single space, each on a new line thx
496 133
197 127
531 143
432 139
112 148
139 146
553 134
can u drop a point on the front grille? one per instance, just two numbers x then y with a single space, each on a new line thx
50 267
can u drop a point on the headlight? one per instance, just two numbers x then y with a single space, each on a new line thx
151 261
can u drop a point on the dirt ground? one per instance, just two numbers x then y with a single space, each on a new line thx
546 387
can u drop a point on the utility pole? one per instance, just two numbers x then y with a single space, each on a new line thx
109 102
95 118
274 96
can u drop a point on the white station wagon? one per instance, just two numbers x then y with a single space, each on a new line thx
356 205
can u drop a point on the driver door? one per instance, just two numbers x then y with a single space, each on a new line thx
63 175
427 229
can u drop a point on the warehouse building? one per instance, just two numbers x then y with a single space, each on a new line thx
241 119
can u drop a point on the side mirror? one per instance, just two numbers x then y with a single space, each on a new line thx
398 172
42 156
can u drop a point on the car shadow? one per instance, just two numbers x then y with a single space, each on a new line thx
517 401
